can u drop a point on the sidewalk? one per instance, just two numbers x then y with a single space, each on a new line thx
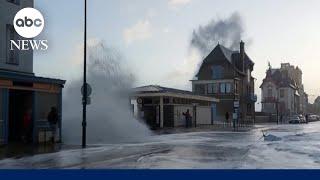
203 128
18 150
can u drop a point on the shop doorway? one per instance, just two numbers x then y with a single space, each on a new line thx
20 116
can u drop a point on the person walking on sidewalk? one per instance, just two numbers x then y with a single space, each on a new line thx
227 116
27 126
53 120
187 117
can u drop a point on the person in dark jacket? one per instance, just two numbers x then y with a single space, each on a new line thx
53 121
187 117
27 126
227 117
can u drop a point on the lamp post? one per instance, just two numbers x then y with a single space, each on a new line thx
84 94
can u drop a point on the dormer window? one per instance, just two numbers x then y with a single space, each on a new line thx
217 72
270 92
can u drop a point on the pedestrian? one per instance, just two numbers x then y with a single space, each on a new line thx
187 117
281 118
27 128
307 118
53 121
227 117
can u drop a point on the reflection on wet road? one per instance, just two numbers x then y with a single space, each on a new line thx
299 147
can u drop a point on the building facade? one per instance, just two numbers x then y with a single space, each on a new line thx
226 75
21 92
296 74
282 91
18 61
315 107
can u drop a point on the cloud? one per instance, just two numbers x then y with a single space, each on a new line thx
151 13
176 3
140 31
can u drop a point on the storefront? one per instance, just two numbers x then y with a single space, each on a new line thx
22 95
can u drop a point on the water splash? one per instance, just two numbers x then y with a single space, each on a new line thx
227 31
109 116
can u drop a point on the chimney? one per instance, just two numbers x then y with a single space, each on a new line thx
242 55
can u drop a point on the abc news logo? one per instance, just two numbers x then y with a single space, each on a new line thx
28 23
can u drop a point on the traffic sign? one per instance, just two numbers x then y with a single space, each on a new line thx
236 104
235 116
89 90
139 101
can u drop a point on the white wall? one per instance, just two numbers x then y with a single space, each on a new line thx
7 13
268 107
288 98
291 100
203 115
265 88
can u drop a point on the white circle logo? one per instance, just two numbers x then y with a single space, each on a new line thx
28 22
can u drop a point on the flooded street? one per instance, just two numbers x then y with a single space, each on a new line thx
298 146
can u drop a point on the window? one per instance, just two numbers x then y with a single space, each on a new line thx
210 89
217 72
281 93
228 88
14 1
269 92
222 88
12 55
225 88
213 88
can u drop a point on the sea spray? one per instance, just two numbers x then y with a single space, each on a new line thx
227 32
109 116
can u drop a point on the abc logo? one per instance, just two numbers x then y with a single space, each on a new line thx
28 22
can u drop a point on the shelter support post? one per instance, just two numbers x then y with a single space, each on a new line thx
161 112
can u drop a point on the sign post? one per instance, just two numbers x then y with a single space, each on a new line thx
84 97
236 105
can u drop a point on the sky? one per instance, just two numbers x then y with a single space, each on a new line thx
154 36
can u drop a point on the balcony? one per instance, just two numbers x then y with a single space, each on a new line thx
252 97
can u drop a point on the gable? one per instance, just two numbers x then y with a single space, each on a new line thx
218 56
221 55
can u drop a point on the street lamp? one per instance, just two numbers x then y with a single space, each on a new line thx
84 93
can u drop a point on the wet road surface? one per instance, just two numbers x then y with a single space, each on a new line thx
298 146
